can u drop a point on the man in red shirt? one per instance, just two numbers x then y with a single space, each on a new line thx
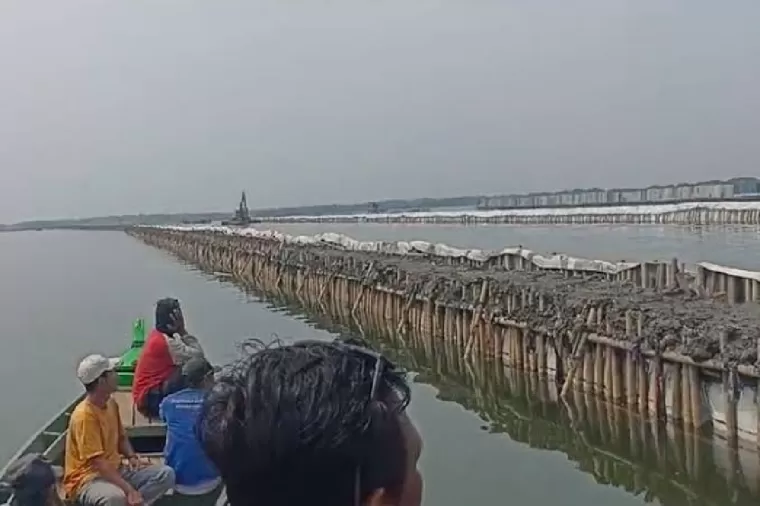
159 368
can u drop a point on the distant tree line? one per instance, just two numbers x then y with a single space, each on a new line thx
384 206
123 221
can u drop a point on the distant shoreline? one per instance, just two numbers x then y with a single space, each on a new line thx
21 228
740 189
704 211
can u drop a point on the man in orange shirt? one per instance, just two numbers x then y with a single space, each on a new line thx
95 443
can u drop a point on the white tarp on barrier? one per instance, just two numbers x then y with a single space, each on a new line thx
730 271
420 247
650 209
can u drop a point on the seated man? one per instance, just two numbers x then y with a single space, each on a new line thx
196 475
95 443
159 367
33 481
313 423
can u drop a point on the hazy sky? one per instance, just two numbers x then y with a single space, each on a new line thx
121 106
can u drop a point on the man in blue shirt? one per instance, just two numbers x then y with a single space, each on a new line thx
196 475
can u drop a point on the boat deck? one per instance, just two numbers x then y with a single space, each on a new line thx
130 417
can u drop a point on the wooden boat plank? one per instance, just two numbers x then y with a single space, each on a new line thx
141 420
56 448
130 417
126 410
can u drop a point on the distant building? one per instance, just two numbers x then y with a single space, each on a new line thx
732 189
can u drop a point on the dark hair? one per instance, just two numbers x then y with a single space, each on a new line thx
289 425
196 370
165 308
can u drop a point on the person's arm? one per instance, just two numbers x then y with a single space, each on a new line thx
93 450
184 348
125 447
53 499
108 472
162 410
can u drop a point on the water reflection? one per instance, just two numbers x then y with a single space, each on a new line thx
652 461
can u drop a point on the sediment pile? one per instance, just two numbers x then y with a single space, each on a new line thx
643 335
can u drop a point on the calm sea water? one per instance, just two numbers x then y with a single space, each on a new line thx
66 294
731 246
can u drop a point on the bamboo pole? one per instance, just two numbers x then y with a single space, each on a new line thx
520 355
607 386
757 396
588 368
729 394
643 377
579 346
541 353
598 370
499 333
476 317
403 321
460 322
525 343
617 387
676 410
686 401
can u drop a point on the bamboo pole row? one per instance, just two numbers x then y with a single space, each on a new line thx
705 279
612 216
580 358
617 447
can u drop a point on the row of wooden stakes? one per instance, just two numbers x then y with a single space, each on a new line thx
656 385
613 216
614 445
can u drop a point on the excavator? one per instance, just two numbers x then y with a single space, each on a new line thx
242 214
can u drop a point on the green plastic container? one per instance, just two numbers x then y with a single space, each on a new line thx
128 361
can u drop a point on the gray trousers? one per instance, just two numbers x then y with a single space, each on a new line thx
152 482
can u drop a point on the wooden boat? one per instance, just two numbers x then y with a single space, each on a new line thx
146 435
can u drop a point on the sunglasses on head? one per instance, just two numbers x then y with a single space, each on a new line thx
379 359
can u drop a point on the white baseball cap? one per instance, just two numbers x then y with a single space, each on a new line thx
92 367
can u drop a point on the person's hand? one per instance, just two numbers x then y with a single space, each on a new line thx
178 322
135 462
134 498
